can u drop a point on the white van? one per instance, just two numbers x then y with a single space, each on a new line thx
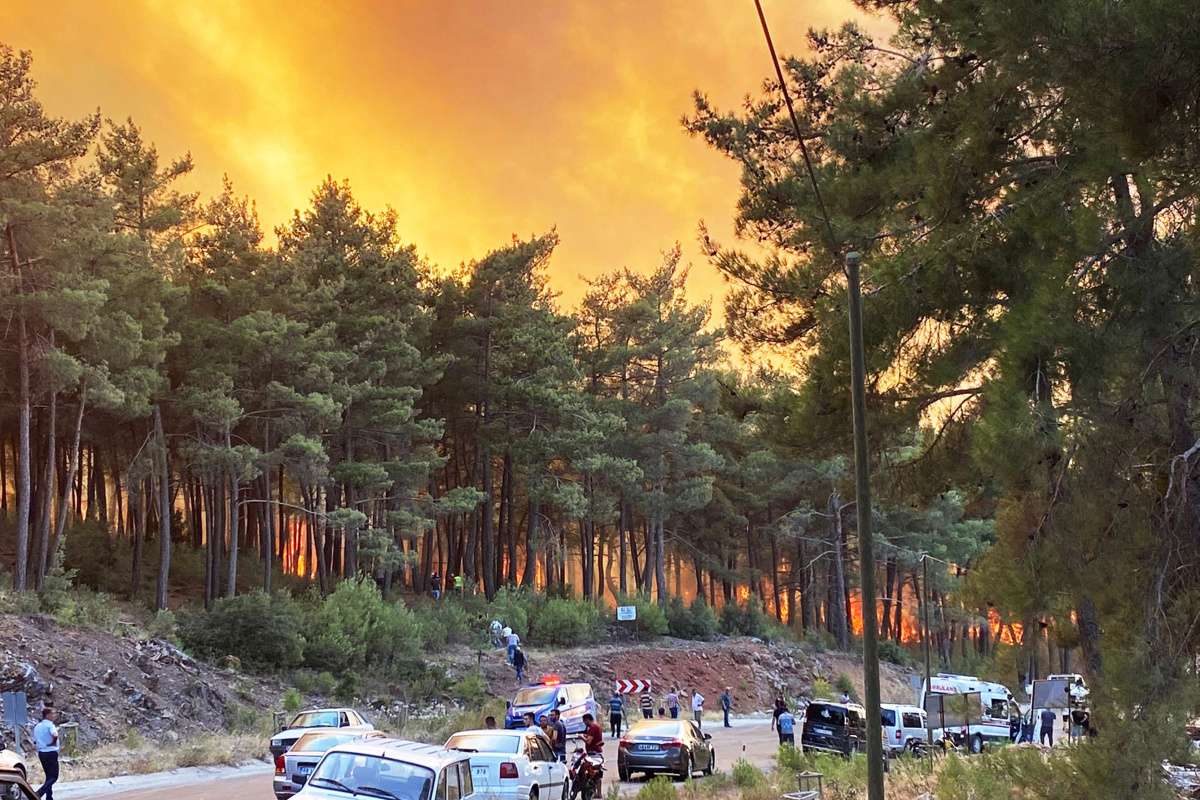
902 725
986 722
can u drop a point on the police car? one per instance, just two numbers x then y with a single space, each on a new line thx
572 700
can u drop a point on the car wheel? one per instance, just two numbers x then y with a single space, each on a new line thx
623 772
685 766
566 792
533 793
712 762
977 744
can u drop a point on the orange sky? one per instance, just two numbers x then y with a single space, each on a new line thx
474 120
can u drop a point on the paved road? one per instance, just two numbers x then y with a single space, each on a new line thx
751 739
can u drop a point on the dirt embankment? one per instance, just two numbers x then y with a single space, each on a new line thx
112 684
755 671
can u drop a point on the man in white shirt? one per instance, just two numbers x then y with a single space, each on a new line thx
45 737
513 640
697 706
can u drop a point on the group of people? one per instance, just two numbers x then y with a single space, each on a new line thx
435 585
668 707
555 731
504 636
783 722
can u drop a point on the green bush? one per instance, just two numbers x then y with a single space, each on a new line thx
819 640
512 606
291 701
261 630
651 619
565 622
893 652
695 621
355 629
472 689
659 787
822 689
746 775
843 683
162 625
441 624
745 619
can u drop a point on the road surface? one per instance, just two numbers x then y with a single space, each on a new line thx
751 739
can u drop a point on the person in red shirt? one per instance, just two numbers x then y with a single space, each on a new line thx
593 737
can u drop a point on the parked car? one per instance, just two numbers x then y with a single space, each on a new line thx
390 768
343 718
834 727
14 787
674 746
12 760
572 700
903 728
293 767
512 764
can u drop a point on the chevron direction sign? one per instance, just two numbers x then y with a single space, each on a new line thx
633 686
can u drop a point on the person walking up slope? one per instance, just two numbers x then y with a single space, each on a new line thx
518 662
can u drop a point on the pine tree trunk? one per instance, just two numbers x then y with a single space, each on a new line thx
660 563
532 528
24 474
164 513
139 534
838 606
43 557
234 522
487 531
623 569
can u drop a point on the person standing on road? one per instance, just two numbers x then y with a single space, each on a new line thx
513 641
1047 737
673 702
697 706
45 738
560 736
518 662
780 707
647 704
787 728
727 704
616 714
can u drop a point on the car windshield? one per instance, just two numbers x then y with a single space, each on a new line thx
320 742
534 696
887 716
656 729
484 742
372 776
821 712
316 719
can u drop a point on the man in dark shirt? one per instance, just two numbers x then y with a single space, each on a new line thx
560 736
593 737
1047 737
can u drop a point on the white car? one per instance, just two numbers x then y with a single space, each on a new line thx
390 768
300 761
902 726
346 719
517 764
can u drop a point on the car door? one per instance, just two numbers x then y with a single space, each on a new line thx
545 767
698 747
466 781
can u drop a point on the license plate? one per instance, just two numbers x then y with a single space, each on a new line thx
823 731
646 747
306 771
479 772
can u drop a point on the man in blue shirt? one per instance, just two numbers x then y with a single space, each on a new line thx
727 704
616 713
45 737
786 726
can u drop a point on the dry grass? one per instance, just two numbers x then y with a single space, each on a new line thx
135 757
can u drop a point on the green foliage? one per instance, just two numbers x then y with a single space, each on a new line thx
651 618
162 625
822 689
566 622
819 640
746 775
694 621
355 629
472 690
844 683
262 630
291 701
745 619
512 607
895 653
658 787
309 682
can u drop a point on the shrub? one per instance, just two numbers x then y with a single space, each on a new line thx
651 619
162 625
472 689
893 652
292 701
512 606
565 622
822 689
819 640
441 624
261 630
696 621
843 683
744 619
746 775
309 682
348 688
659 787
354 628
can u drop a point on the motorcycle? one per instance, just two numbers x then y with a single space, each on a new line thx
587 774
